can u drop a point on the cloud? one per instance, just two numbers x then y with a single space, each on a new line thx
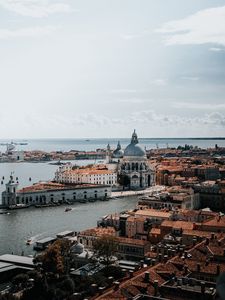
216 49
199 106
191 78
214 118
33 124
159 82
27 32
123 91
131 100
203 27
134 35
35 8
147 117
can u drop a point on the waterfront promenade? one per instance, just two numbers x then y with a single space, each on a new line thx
149 191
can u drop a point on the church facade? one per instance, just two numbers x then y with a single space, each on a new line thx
134 167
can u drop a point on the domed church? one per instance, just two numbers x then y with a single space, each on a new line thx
134 166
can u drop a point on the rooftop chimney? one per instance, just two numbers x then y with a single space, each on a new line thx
131 273
117 284
160 257
165 258
148 261
156 287
217 269
100 289
147 276
142 263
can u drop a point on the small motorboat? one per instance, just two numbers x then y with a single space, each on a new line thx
68 209
29 242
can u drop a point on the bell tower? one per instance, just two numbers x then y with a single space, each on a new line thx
9 196
108 154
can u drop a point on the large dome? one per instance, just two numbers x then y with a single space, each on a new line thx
133 149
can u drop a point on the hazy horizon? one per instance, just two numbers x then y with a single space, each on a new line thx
23 139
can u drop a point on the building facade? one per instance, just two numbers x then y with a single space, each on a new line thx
50 192
87 175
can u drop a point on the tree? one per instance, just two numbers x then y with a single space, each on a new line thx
8 297
123 180
20 279
55 258
105 248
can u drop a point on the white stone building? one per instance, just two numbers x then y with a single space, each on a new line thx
52 192
87 175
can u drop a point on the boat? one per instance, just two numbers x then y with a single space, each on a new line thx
82 200
29 242
68 209
44 205
143 198
18 206
57 163
92 200
4 213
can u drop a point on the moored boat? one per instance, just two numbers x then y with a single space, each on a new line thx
18 206
68 209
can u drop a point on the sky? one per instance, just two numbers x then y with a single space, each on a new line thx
100 68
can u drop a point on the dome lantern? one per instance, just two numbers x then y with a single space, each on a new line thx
133 149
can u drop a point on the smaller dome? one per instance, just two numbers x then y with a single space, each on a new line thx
118 153
77 249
